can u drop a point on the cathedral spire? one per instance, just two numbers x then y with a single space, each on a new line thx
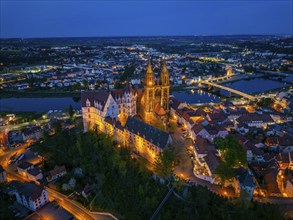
149 77
164 74
149 68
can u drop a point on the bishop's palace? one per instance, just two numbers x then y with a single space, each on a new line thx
125 113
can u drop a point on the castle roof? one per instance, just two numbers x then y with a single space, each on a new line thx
100 96
148 132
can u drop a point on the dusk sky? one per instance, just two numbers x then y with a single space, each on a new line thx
134 18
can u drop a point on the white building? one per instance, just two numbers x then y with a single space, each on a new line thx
98 105
31 196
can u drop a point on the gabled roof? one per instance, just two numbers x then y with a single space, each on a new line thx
244 177
255 118
57 170
202 146
212 161
24 165
148 132
197 128
100 96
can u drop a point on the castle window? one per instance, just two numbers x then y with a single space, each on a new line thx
88 103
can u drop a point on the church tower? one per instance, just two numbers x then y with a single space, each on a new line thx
149 92
165 87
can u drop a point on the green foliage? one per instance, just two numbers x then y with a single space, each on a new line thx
232 152
164 164
120 180
125 188
203 204
265 102
232 156
57 126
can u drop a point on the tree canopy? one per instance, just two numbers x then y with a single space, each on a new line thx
164 164
232 156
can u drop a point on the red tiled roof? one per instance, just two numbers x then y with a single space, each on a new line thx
57 170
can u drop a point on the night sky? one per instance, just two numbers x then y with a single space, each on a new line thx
135 18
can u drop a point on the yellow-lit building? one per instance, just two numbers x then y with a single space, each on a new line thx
111 112
155 98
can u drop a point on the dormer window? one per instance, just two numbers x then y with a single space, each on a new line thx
88 103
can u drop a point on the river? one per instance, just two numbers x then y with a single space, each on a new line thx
257 85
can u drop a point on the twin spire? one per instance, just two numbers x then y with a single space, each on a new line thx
150 78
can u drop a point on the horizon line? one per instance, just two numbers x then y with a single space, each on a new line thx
134 36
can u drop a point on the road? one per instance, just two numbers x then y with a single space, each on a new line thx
185 168
71 206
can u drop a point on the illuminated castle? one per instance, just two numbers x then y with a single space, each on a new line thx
103 111
155 98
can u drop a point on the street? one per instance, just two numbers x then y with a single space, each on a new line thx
71 206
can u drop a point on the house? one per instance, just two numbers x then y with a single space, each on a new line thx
216 117
31 196
289 188
212 161
3 176
32 133
24 167
56 173
271 184
34 174
209 131
87 190
201 147
255 120
284 143
245 181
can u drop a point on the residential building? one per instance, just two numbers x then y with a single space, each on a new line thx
24 167
31 196
34 174
245 181
289 188
56 173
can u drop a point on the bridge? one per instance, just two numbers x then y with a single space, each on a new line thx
250 97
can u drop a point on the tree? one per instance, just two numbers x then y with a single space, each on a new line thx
70 111
233 156
57 126
232 152
267 102
164 164
225 172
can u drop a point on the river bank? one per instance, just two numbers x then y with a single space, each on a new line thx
38 94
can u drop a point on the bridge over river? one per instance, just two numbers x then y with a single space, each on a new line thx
250 97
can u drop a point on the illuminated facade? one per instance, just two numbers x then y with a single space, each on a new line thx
98 105
105 111
155 98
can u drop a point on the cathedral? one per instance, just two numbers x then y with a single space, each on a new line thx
118 104
115 113
155 98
